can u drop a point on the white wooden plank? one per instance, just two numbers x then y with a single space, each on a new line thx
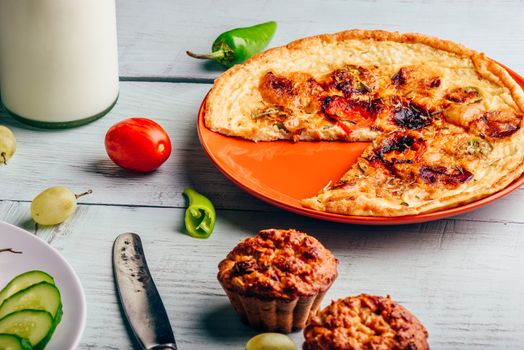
462 279
153 38
77 158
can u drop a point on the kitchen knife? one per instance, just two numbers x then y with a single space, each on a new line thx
138 295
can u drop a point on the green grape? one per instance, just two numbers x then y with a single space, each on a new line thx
54 205
7 144
271 341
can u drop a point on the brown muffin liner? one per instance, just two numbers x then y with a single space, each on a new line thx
276 315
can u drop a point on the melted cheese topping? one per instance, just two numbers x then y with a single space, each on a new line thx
465 109
235 97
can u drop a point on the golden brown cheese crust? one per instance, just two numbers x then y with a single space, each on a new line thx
424 170
365 322
278 264
460 112
236 94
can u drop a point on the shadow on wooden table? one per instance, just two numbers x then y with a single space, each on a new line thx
212 66
106 167
223 325
342 237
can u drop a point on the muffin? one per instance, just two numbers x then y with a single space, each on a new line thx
365 322
276 279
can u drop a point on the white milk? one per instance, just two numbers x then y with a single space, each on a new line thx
58 59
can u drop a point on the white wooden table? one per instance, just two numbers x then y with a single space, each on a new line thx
463 277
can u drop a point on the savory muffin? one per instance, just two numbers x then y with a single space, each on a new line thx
365 322
276 279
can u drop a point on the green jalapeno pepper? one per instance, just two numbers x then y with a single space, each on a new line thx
237 45
200 214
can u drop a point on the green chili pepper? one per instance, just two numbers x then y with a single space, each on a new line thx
237 45
200 215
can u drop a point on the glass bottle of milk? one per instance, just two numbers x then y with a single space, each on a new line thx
58 60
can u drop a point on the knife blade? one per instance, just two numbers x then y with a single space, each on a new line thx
142 305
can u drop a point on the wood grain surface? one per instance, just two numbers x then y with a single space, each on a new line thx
462 277
153 39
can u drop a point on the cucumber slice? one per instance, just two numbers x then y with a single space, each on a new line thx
40 296
43 342
23 281
14 342
33 325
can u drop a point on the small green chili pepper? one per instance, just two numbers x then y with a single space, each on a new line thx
237 45
200 215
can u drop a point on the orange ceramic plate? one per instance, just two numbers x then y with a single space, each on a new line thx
282 172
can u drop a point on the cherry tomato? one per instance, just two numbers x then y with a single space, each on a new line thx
138 144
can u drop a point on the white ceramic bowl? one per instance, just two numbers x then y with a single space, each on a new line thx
38 255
